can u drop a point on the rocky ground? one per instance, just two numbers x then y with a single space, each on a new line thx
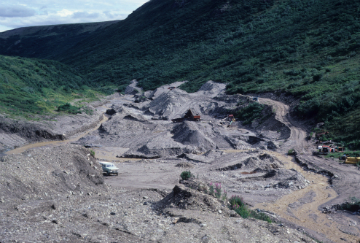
55 191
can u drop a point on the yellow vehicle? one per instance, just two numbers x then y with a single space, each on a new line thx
352 160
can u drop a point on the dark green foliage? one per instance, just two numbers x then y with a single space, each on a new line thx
250 113
291 152
68 108
33 86
92 153
186 175
353 205
307 49
237 204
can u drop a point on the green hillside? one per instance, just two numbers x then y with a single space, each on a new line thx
29 86
47 41
306 48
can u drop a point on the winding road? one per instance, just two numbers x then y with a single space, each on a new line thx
302 207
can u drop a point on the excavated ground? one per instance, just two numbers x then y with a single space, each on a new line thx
142 204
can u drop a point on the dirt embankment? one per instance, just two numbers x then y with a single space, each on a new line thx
58 194
19 133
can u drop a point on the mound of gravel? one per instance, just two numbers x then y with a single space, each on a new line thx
189 133
185 198
170 105
184 165
158 147
211 89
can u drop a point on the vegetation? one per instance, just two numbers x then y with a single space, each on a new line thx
92 153
237 204
69 109
353 205
306 49
250 113
291 152
186 175
29 86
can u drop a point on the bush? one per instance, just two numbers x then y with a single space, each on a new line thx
238 205
250 113
186 175
291 152
211 189
217 190
69 109
92 153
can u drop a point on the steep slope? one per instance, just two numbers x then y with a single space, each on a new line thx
29 86
47 41
307 49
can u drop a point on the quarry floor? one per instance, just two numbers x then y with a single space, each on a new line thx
293 193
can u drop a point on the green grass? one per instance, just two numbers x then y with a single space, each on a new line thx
238 204
349 153
29 87
307 49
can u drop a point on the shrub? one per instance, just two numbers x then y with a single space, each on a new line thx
291 152
224 197
69 109
250 113
186 175
92 153
217 190
237 204
211 189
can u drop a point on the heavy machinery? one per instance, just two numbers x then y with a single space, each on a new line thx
352 160
189 115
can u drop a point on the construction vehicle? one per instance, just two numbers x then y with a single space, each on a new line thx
189 115
233 119
352 160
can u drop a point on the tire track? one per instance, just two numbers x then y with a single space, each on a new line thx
306 215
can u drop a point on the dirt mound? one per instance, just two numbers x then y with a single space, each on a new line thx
158 147
184 165
211 89
189 133
170 105
46 172
183 197
153 94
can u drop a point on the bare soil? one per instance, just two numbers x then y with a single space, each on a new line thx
149 202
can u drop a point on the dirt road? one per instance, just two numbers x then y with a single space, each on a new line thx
230 159
302 207
56 143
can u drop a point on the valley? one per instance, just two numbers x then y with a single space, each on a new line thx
65 195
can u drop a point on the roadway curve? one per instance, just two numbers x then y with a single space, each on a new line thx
302 207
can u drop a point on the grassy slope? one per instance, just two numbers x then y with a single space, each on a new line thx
29 86
305 48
